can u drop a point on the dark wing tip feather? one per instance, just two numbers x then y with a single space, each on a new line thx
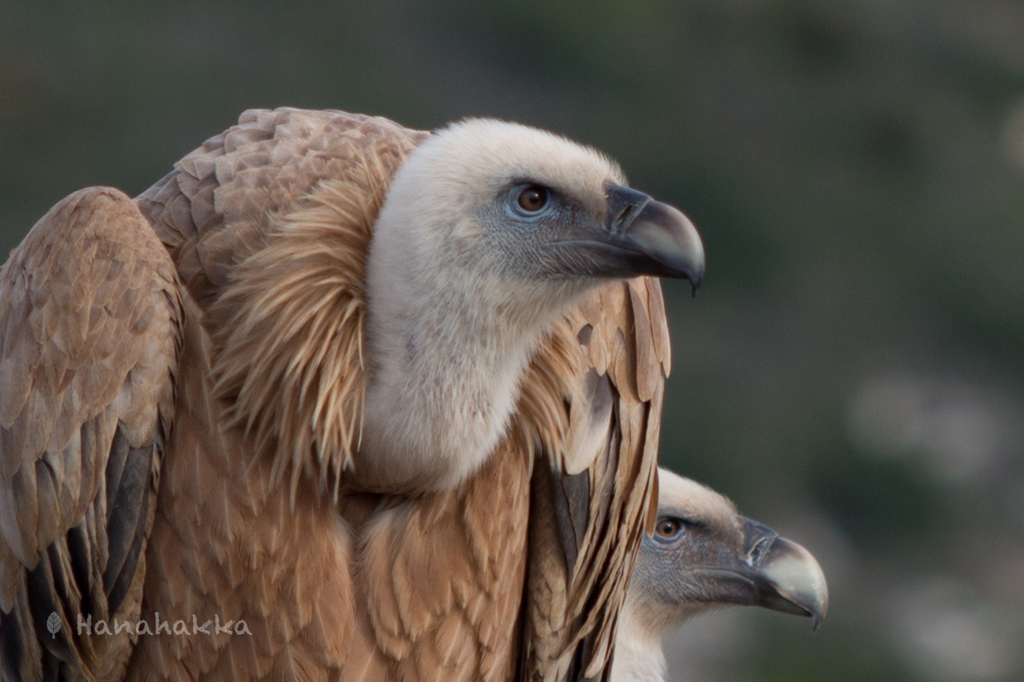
91 308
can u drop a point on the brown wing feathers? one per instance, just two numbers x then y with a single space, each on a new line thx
89 318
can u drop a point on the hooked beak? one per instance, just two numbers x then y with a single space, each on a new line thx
773 573
657 238
787 576
641 236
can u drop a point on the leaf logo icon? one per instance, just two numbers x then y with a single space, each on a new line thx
53 624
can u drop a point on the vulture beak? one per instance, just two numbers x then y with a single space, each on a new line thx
786 576
772 572
652 238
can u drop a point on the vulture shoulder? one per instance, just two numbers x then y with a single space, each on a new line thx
268 224
89 331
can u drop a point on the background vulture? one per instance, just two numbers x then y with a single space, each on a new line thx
387 398
703 554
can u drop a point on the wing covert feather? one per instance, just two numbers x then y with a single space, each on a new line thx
593 498
89 322
222 200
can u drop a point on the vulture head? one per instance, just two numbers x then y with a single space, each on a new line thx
702 555
488 232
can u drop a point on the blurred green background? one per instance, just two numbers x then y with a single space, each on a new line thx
852 372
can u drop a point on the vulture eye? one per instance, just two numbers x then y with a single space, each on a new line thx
532 200
669 528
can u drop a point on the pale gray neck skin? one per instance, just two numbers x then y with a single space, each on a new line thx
448 343
645 619
443 384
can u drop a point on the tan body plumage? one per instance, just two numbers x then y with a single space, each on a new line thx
213 330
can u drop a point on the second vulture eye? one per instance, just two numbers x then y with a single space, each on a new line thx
669 528
532 199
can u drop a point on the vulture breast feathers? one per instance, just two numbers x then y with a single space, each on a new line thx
334 399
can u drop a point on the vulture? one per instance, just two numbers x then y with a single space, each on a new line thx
335 400
703 555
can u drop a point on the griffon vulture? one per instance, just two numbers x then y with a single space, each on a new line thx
703 554
363 402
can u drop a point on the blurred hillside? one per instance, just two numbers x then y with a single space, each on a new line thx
852 371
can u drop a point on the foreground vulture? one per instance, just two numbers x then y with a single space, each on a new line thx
334 399
703 555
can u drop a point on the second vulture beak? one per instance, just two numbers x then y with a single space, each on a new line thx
786 576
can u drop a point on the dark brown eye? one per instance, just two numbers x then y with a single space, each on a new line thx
667 528
533 199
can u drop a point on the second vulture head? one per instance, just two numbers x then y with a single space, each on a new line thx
703 555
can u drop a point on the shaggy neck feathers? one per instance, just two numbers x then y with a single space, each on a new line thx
288 333
321 388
